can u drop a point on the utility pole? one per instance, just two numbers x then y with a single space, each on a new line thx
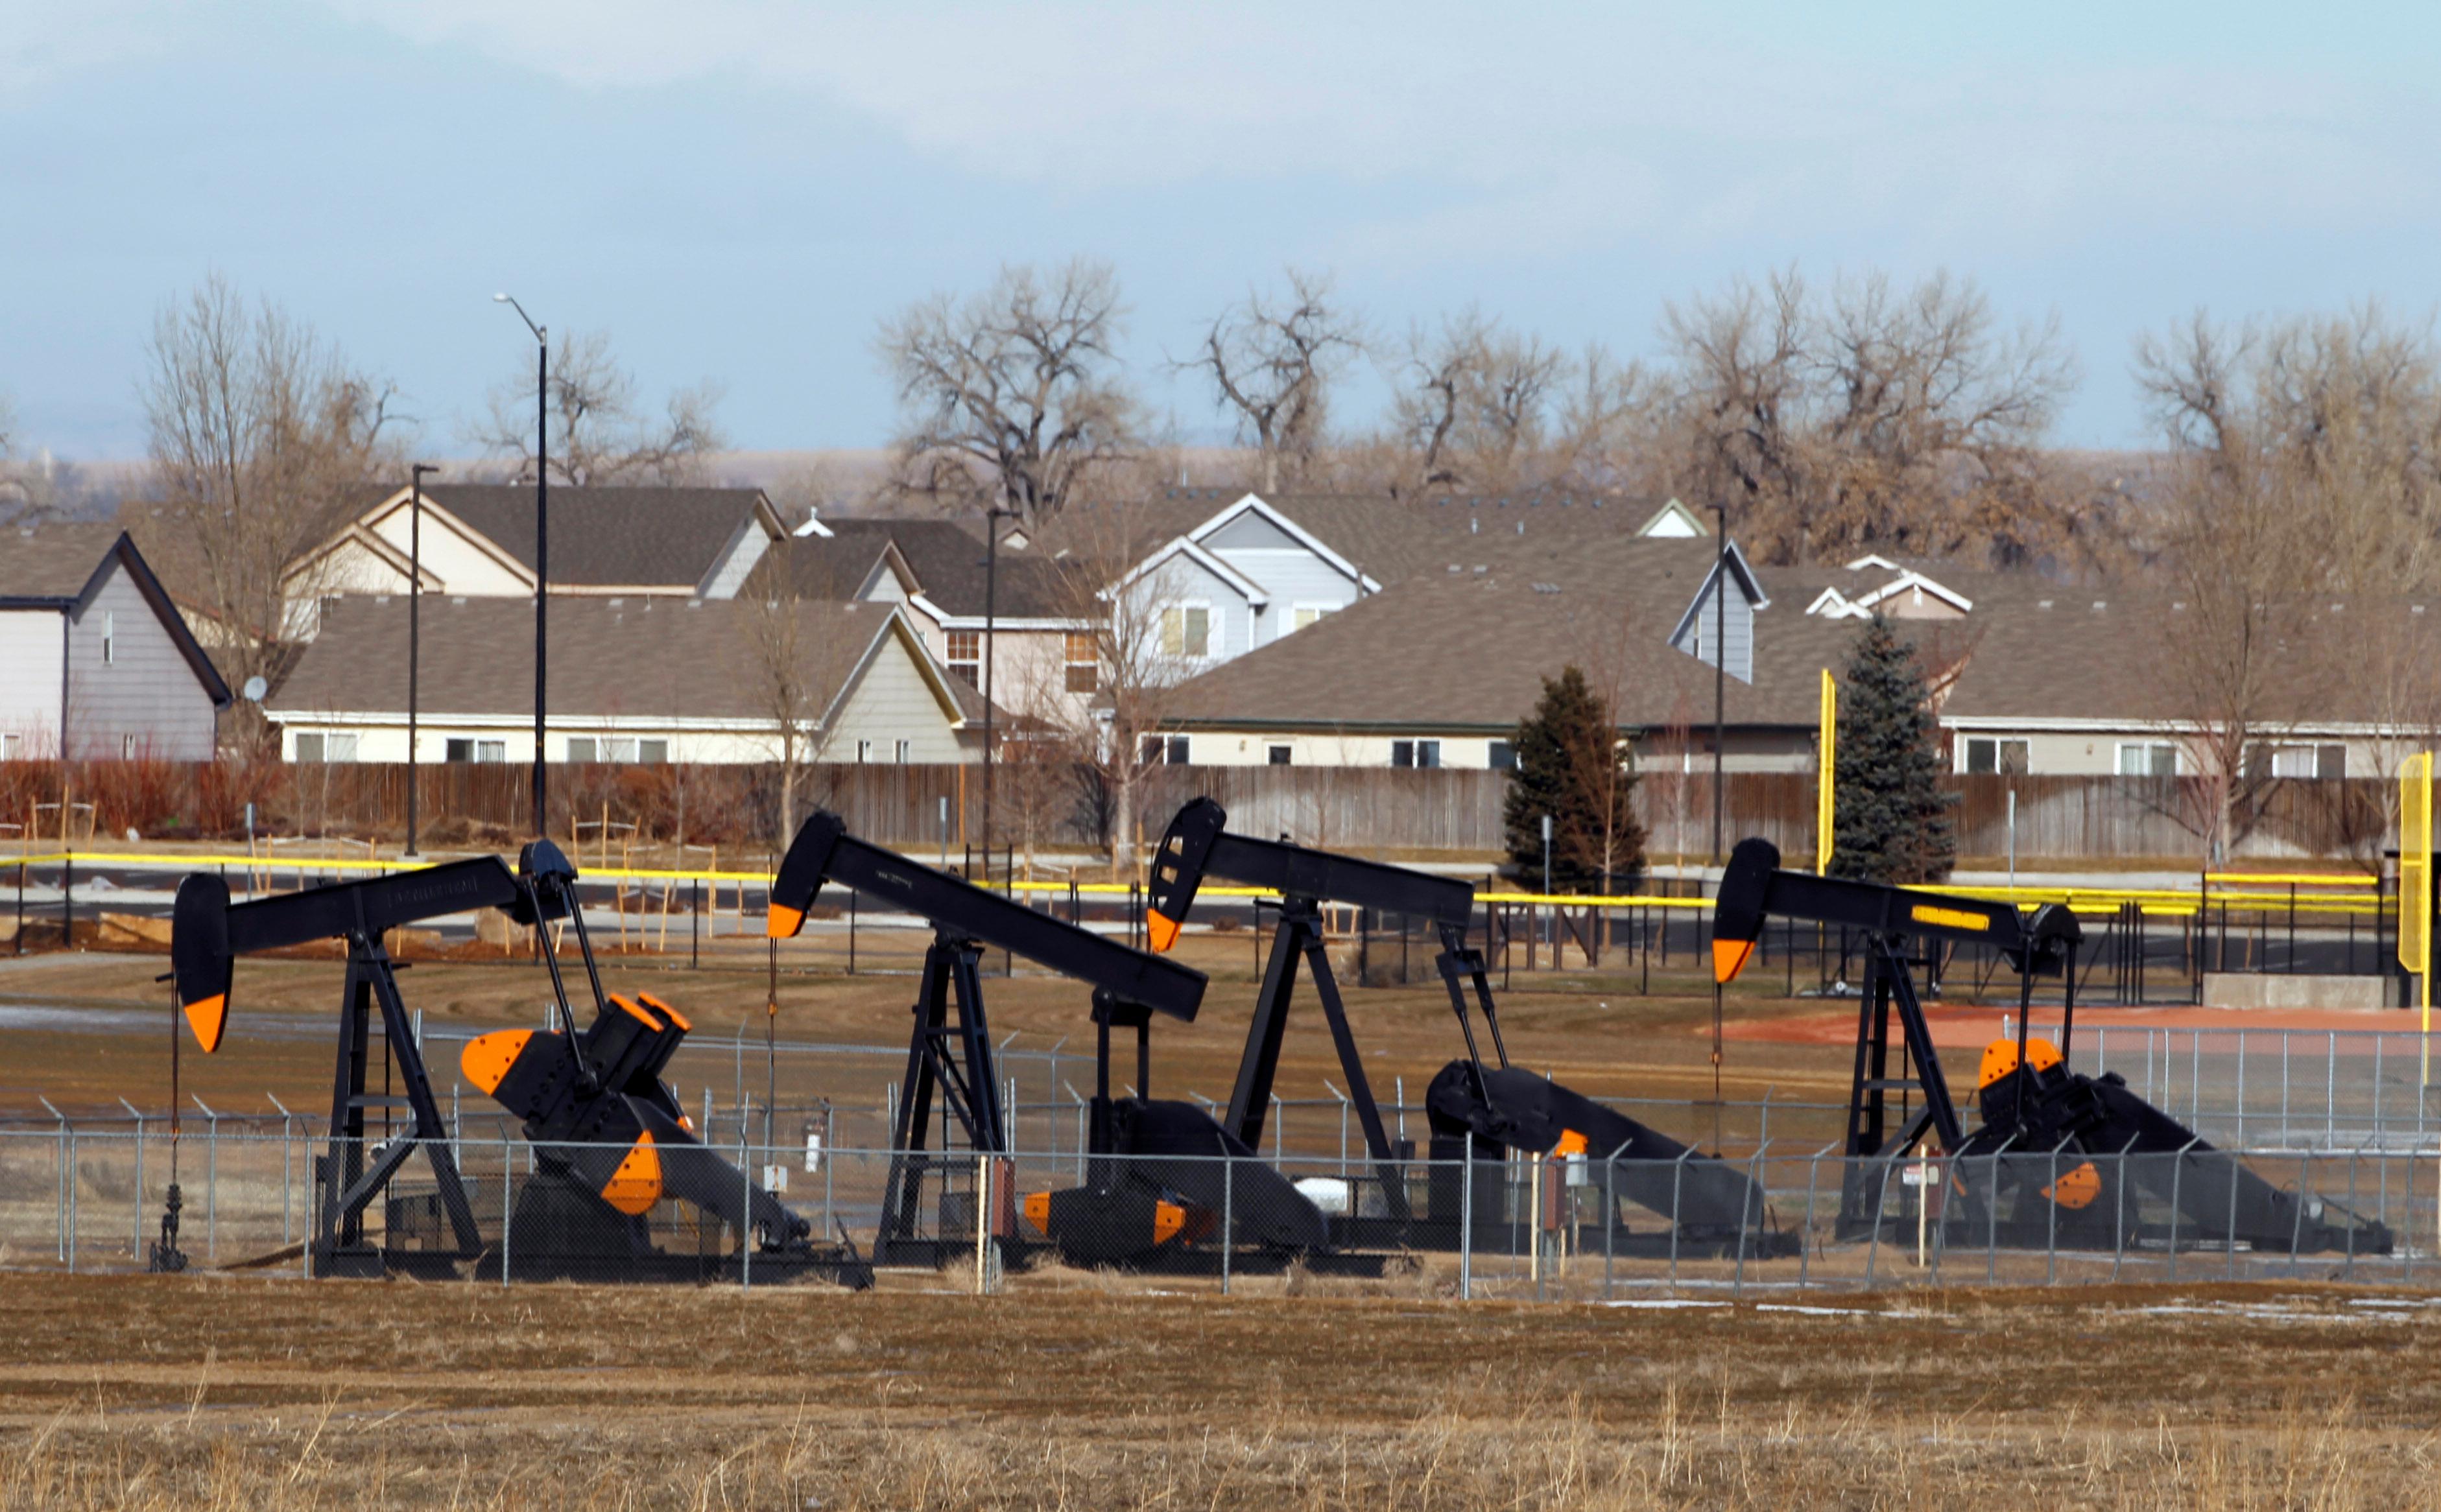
542 543
414 629
1720 670
992 517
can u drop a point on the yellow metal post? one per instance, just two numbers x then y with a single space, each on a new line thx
1824 810
2416 890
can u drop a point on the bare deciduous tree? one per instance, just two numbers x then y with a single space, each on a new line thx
1014 396
256 430
1272 361
2306 492
1877 419
600 432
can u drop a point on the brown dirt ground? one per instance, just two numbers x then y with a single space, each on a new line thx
221 1392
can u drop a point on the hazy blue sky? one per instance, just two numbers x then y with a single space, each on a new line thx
741 188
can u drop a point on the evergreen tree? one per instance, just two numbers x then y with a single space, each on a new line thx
1890 818
1572 766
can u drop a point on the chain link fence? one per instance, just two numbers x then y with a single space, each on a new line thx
92 1198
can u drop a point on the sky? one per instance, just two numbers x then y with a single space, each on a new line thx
742 190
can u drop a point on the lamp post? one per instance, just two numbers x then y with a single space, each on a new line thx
414 629
992 517
542 538
1719 667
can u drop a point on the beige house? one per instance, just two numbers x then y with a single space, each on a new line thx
632 679
477 541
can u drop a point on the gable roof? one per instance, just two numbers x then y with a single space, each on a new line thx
1466 648
1748 586
643 658
62 566
945 557
669 539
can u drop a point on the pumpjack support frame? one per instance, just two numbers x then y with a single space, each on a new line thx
207 932
950 1054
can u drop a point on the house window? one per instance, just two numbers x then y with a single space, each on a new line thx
653 752
1306 613
906 748
13 747
1415 753
619 750
863 751
1159 751
2148 758
1084 664
2306 762
109 637
1989 754
1187 631
320 747
1279 755
966 655
127 747
458 748
1500 755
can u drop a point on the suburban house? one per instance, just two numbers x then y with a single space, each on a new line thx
642 679
1439 670
1175 584
91 646
2027 675
477 541
1042 652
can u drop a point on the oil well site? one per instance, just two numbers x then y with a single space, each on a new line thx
1238 1183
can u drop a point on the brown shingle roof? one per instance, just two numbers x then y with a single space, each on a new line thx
1468 648
637 658
947 557
51 561
667 538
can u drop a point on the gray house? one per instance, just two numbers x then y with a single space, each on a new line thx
91 645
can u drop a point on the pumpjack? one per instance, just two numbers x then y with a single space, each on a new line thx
1475 1110
949 1058
2060 1157
609 1139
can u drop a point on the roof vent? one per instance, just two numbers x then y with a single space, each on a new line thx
618 603
1474 525
2100 605
459 600
1480 569
1455 569
1547 587
2042 603
694 604
1521 524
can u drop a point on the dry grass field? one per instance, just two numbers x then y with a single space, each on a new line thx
1066 1392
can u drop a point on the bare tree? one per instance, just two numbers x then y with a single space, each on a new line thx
1013 396
2299 525
1876 419
599 431
1272 361
1144 645
256 430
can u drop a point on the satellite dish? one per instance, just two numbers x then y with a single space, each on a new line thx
254 690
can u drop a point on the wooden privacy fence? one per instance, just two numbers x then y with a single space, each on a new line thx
1418 813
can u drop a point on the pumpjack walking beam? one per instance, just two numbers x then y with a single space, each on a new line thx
209 932
1197 845
950 1051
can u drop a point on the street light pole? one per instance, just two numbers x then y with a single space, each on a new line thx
542 542
1720 668
414 629
992 517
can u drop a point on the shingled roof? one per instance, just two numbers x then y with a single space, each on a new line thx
612 537
1466 646
640 657
52 562
945 556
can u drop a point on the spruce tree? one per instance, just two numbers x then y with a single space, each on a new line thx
1890 818
1572 766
